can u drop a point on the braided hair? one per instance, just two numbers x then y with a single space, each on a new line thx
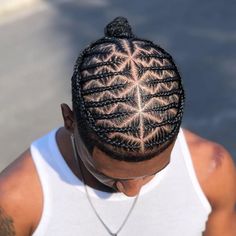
127 95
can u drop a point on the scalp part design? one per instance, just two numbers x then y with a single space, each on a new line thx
128 96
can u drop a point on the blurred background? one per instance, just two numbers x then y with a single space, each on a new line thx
40 41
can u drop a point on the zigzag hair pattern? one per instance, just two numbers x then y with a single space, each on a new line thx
103 75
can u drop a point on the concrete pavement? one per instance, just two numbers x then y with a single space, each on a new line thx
12 6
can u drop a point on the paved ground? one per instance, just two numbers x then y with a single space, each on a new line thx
38 49
11 6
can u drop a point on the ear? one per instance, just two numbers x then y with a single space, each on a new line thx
68 117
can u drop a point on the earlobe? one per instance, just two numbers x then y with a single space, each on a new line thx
68 117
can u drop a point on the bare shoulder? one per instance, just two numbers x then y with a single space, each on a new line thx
20 198
214 168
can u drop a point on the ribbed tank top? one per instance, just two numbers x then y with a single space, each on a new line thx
171 204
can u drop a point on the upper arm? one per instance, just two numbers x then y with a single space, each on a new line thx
7 227
221 192
16 184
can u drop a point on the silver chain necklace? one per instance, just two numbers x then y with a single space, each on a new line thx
90 200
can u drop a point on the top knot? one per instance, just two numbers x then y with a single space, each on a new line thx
119 28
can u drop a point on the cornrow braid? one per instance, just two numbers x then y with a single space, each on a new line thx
127 95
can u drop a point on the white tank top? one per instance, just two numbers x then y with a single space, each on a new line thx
171 204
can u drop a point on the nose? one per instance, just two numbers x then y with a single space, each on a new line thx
130 188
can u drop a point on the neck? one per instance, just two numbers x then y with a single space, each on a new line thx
65 147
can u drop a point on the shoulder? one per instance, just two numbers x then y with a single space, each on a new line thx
20 193
214 168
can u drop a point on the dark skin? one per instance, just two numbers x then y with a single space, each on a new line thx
21 199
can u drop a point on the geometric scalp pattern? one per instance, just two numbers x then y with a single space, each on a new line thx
131 93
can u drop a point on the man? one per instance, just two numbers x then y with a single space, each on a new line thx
121 164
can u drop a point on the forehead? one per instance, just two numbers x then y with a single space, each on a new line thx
122 169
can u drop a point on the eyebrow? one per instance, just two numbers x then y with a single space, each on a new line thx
136 177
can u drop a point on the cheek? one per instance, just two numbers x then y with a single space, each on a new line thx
148 178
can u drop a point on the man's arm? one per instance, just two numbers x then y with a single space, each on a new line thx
6 224
221 192
20 201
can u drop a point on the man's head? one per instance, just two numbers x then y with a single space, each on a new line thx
127 97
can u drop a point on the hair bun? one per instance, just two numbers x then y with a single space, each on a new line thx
119 28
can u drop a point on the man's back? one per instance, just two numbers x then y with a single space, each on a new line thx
22 200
